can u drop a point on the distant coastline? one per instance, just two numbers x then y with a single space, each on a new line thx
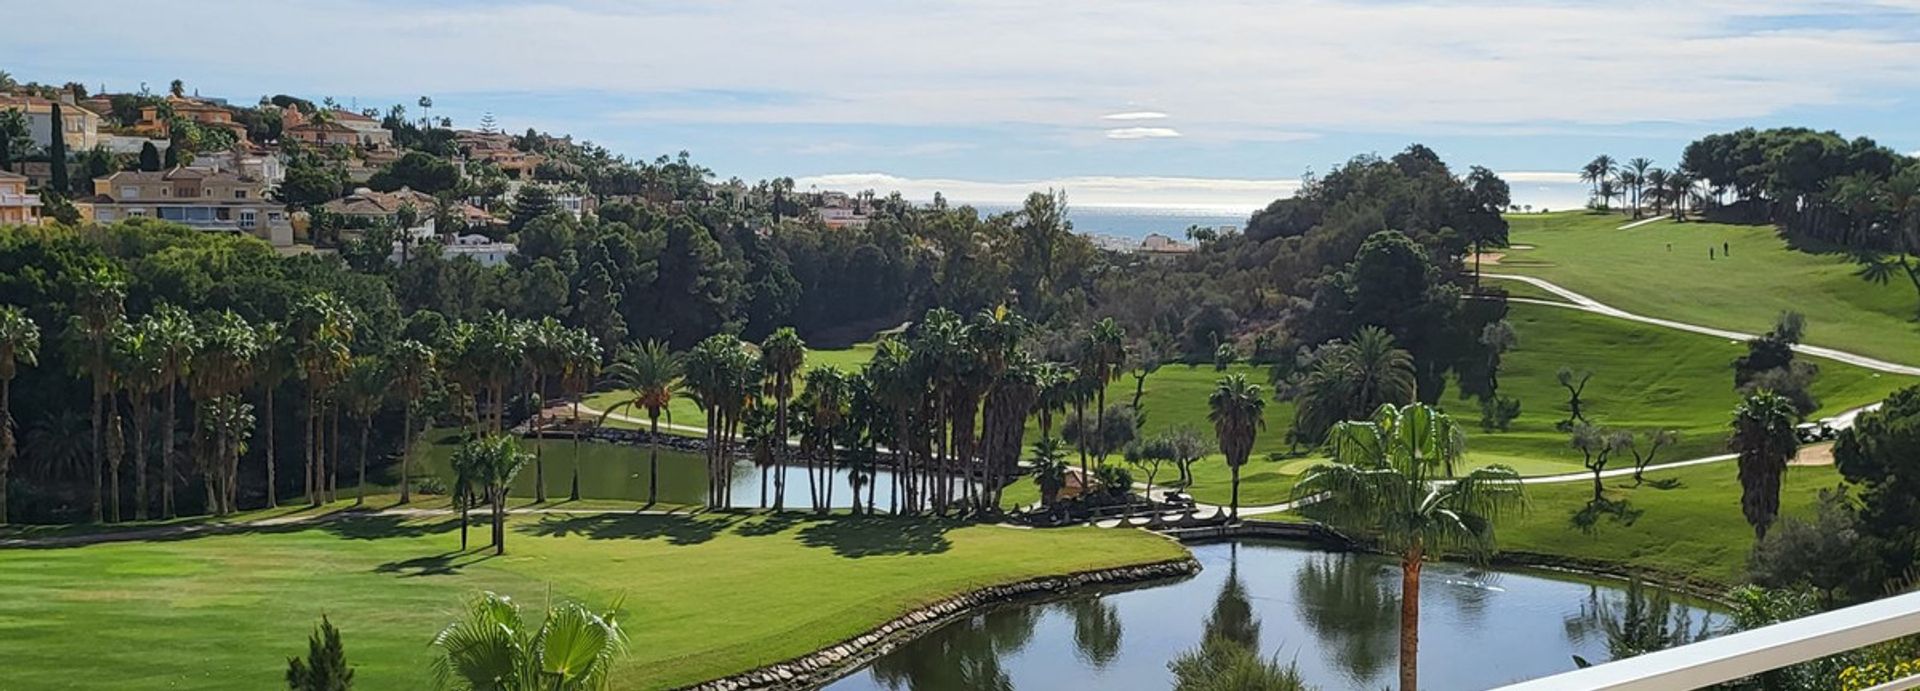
1136 222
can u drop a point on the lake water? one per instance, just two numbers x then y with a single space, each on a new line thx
1335 615
620 471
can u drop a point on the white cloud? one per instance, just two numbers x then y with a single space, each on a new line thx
1244 66
1222 194
1135 115
1143 133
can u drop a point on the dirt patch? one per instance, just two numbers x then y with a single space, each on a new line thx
1814 454
1486 258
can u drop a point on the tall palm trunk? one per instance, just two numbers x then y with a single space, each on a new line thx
333 453
780 450
460 501
99 454
360 487
166 453
6 430
141 415
1410 564
498 496
273 487
116 448
574 493
406 451
312 451
653 459
1234 508
539 444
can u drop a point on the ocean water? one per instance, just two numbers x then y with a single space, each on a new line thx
1135 222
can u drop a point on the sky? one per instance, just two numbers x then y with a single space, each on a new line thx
1174 103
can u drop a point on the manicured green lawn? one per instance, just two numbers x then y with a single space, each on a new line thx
1692 529
1645 377
705 594
1635 271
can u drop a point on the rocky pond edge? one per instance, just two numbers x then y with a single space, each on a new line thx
834 661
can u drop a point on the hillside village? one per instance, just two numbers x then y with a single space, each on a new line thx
308 176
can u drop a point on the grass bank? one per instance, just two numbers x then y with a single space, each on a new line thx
705 594
1662 269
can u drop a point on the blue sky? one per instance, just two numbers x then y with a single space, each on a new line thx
1219 103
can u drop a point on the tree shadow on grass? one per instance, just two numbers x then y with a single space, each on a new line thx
1666 483
443 564
676 530
1621 513
856 537
770 525
383 526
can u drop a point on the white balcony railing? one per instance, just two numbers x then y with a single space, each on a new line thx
10 199
1744 654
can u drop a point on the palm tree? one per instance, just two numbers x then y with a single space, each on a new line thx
897 389
98 306
412 364
782 354
491 649
1679 190
712 371
1599 171
1763 435
1056 394
1108 351
1655 183
544 355
1392 477
579 367
498 347
650 374
323 329
19 345
492 462
1635 177
1349 379
275 365
362 392
221 367
1049 463
1235 408
824 403
138 356
228 422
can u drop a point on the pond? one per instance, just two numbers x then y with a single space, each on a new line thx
620 471
1335 615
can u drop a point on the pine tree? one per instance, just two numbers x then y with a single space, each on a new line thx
533 201
325 668
57 154
173 155
149 157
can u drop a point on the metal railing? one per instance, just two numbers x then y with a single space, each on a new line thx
1747 653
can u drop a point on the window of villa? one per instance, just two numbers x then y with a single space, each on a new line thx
246 218
239 194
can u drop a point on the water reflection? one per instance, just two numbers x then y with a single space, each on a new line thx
1096 630
969 655
1352 603
1335 616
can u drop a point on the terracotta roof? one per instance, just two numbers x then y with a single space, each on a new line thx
365 202
322 127
342 114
